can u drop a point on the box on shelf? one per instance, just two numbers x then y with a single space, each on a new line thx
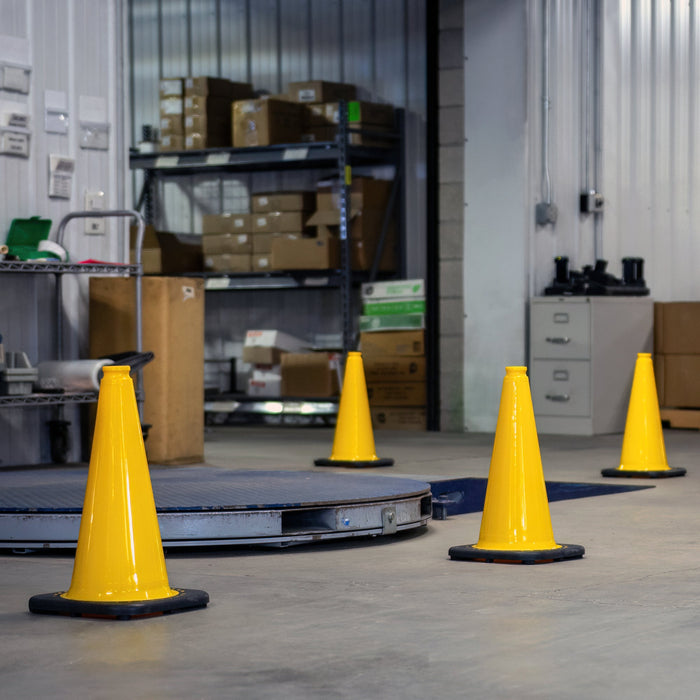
321 252
265 382
171 87
363 114
280 222
396 393
217 87
283 201
390 368
227 223
172 125
171 106
365 193
262 242
310 375
411 343
228 262
320 91
381 136
262 262
173 329
392 322
267 346
165 253
398 418
393 289
390 307
677 328
264 122
213 110
171 142
235 243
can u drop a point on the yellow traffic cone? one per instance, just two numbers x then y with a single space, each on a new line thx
515 525
643 450
353 444
119 569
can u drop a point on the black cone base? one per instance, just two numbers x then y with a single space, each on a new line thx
54 604
468 552
641 474
387 462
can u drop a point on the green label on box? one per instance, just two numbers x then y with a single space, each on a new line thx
383 308
353 111
392 322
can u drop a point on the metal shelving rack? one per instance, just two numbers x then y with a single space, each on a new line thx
59 269
339 156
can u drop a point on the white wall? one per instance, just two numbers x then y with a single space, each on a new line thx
73 48
623 118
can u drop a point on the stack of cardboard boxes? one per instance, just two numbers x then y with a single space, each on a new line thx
195 112
392 342
677 361
319 247
227 242
284 367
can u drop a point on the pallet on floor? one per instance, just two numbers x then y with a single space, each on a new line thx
681 417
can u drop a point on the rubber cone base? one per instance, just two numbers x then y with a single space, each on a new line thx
645 474
499 556
55 604
386 462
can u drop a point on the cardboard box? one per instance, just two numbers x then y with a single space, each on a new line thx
283 201
218 243
172 125
262 242
362 114
171 87
397 394
228 262
321 252
389 308
365 193
678 380
262 262
268 386
267 346
173 329
381 136
171 106
320 91
198 142
677 328
165 253
171 142
384 368
227 223
410 343
280 222
217 87
265 122
393 322
393 289
398 418
310 375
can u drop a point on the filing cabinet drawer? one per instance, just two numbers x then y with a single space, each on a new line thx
561 388
560 330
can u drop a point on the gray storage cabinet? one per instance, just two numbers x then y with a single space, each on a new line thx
582 357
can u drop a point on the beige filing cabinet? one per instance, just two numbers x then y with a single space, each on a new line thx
582 356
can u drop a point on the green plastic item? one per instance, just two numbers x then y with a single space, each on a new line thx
24 237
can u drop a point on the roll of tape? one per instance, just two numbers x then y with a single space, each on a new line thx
71 375
47 246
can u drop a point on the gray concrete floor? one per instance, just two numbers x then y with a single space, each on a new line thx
394 617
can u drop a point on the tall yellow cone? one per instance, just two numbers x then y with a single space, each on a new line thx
353 444
119 569
643 450
515 525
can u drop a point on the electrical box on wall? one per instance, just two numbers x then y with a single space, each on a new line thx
591 202
95 201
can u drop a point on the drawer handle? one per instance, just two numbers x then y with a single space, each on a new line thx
557 397
559 340
561 317
560 375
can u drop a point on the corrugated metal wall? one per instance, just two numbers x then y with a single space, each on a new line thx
72 47
623 119
377 44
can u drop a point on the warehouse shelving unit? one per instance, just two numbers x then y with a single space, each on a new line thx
339 157
59 270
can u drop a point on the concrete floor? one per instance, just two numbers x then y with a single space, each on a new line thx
394 617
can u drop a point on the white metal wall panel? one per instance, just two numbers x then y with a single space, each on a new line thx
71 46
